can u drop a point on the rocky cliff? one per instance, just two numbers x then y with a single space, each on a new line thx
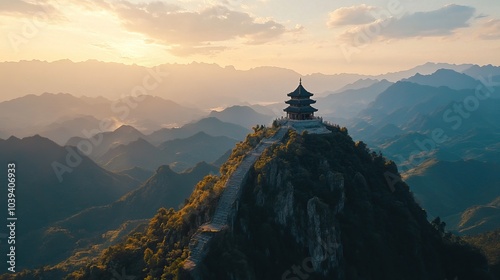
320 207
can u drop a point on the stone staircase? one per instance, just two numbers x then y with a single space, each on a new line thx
231 194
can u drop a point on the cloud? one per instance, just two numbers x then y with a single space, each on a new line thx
490 30
171 25
103 46
183 32
441 22
353 15
191 50
26 8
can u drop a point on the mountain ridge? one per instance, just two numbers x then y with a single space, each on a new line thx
209 125
445 77
57 182
180 153
79 234
126 77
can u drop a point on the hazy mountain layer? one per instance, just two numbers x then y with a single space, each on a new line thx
208 84
211 126
448 188
445 77
99 144
180 153
348 103
54 183
61 116
97 228
243 116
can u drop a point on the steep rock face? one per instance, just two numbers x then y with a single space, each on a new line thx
320 207
270 203
273 203
311 224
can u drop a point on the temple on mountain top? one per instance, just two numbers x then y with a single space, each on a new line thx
300 104
300 113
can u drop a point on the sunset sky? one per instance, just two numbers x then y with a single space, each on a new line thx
307 36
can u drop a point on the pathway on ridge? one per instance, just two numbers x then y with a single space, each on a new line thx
229 196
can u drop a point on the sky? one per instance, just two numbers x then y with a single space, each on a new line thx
335 36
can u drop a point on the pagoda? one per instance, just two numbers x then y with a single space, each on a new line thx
300 104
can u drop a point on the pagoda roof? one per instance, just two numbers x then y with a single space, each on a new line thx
304 109
300 92
300 102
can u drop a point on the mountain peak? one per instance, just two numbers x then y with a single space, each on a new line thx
201 134
141 141
39 141
165 170
127 129
32 143
445 70
202 167
242 115
209 120
13 138
445 77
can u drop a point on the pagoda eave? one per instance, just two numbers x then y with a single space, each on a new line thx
295 94
304 102
300 110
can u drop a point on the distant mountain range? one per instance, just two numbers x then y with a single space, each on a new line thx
137 173
402 120
81 182
445 77
466 194
180 153
39 112
138 153
89 204
349 102
43 196
208 84
400 102
210 125
482 72
391 117
97 145
199 147
444 135
63 130
61 116
125 148
104 225
243 116
66 119
359 84
411 105
447 188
